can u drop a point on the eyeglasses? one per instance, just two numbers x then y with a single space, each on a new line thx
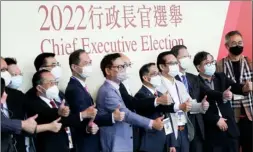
14 74
50 82
119 67
128 65
172 63
52 65
211 63
3 70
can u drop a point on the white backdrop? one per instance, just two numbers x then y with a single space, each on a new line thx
21 35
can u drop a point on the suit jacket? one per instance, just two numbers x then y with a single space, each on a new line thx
213 134
119 136
8 128
49 141
79 99
16 102
194 92
153 140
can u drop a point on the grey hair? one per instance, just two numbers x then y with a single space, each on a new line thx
230 34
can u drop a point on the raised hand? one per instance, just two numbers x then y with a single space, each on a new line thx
186 106
227 94
29 125
205 104
63 110
247 86
90 112
117 115
55 126
165 99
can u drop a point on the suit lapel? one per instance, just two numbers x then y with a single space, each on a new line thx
117 91
80 86
147 92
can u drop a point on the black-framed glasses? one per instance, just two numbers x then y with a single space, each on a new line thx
211 63
119 67
50 82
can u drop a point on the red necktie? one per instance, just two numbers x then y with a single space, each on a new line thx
156 94
53 104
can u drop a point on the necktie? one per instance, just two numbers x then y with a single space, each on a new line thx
156 94
53 104
185 82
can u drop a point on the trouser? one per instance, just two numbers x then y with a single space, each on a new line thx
196 145
245 126
231 145
183 141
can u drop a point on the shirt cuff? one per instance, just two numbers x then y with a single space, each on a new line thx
81 118
155 103
113 121
151 124
176 107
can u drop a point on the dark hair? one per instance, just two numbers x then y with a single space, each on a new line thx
199 57
10 61
37 77
41 59
2 86
74 57
145 70
160 59
107 61
230 34
175 49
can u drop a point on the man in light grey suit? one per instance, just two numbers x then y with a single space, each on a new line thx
118 138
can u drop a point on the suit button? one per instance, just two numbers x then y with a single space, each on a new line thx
131 137
130 125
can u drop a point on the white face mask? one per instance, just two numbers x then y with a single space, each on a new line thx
156 81
52 92
87 70
210 70
7 77
16 82
57 72
122 76
174 70
185 63
128 73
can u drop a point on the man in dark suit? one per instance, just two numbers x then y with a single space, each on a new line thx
80 99
151 141
49 108
46 61
140 104
192 85
221 130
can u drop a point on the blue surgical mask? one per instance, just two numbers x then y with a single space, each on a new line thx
16 82
209 69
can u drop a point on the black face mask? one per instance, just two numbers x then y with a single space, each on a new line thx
236 50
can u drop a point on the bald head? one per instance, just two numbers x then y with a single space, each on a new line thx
125 59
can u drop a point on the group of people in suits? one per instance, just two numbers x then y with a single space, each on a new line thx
173 111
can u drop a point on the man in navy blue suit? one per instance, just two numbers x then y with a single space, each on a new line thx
154 140
80 99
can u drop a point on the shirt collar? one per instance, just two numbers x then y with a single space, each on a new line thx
206 80
151 90
82 83
180 74
46 100
168 81
114 84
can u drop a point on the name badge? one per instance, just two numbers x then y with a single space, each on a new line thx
181 118
167 126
